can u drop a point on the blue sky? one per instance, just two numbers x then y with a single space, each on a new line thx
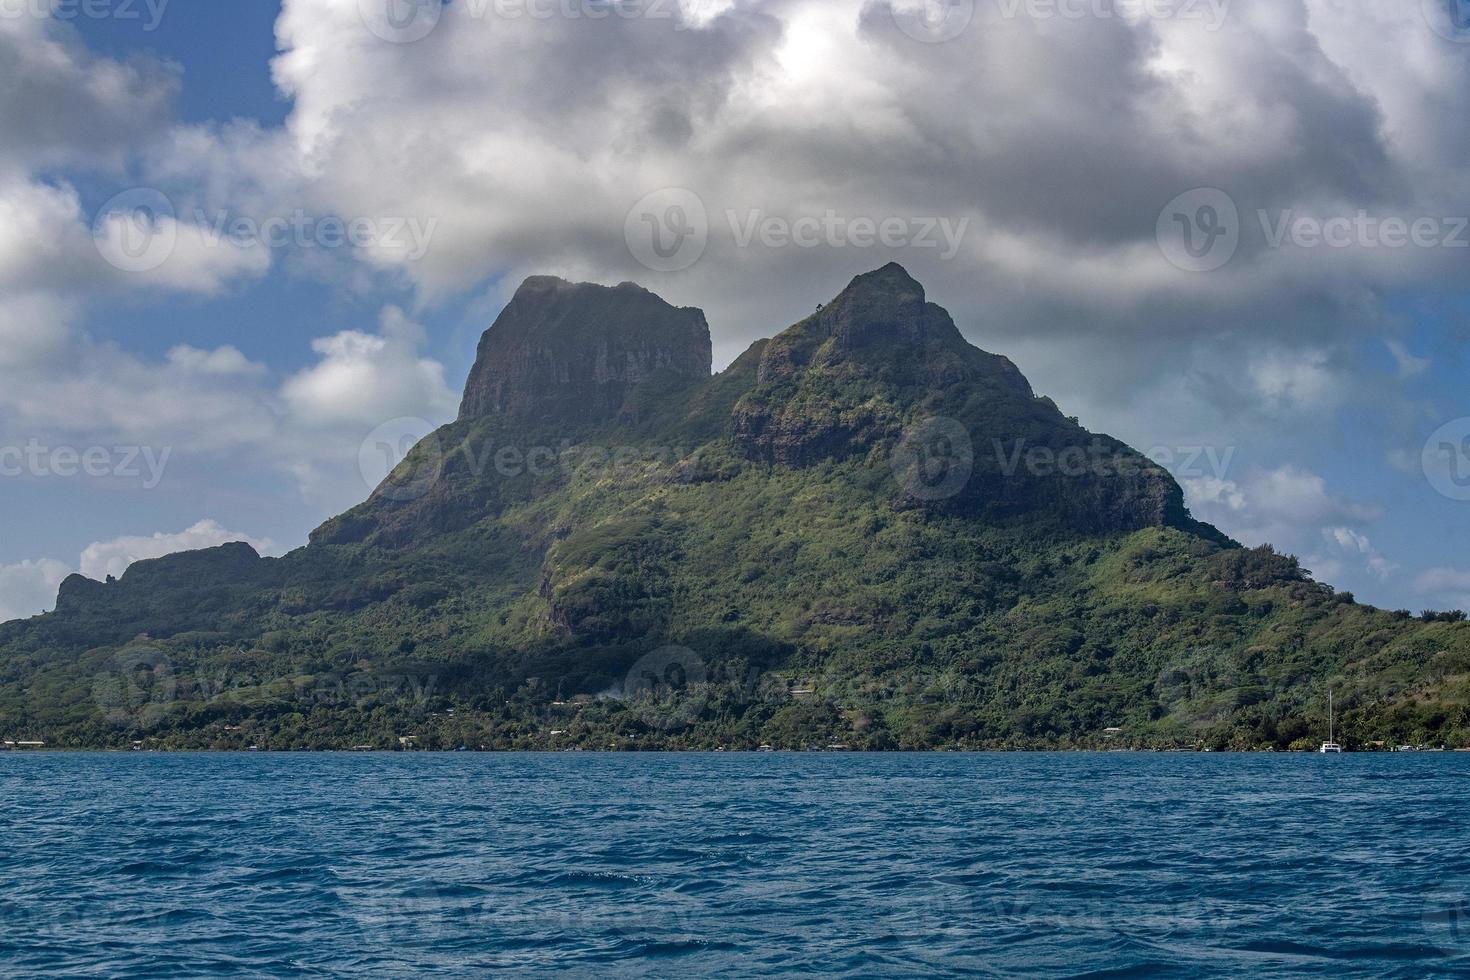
524 138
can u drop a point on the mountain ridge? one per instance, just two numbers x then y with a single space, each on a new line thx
864 507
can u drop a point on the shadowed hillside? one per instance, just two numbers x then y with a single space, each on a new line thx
865 532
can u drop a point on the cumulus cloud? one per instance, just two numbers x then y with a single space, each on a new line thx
523 141
223 361
1345 541
1445 585
369 378
219 405
63 102
28 588
1409 366
1267 505
1291 508
103 558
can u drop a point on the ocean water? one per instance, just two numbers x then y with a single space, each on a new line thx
735 865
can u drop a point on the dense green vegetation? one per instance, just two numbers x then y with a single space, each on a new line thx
664 579
908 630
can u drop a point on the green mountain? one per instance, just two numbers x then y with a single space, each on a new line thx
864 532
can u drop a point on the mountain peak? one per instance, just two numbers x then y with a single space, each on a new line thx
882 326
573 351
891 277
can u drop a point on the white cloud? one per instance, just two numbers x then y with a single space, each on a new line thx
34 328
1291 508
224 361
1409 366
180 256
1445 585
369 378
1356 544
64 103
788 108
1282 501
793 107
1301 379
104 558
28 588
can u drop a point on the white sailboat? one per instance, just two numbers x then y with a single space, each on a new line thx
1330 747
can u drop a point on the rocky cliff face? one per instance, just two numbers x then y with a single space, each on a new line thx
853 372
882 329
878 374
564 351
882 368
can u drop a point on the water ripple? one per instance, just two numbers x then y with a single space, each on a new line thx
739 865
